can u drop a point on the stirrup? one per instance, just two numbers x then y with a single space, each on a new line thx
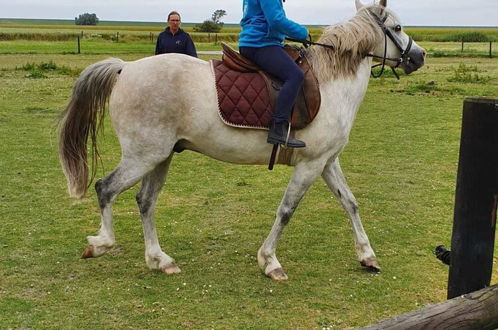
274 150
288 135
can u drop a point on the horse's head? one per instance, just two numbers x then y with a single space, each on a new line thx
396 49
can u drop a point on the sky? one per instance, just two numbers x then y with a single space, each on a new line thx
320 12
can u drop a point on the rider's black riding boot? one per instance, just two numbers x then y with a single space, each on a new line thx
278 134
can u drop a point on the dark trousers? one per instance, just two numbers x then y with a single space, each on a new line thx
275 61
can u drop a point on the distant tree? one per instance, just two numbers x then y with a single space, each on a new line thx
86 19
212 25
207 26
217 15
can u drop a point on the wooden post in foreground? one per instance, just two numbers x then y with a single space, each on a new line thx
79 48
477 310
476 198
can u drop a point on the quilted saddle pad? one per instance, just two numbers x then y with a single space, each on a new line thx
243 98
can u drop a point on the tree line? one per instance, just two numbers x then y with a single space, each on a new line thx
210 25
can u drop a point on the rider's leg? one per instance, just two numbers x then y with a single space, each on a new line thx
275 61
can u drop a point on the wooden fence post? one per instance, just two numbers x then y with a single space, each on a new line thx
117 36
490 49
476 198
462 45
79 48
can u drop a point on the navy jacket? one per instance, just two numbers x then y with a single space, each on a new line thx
178 43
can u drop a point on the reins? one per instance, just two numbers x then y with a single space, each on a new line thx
307 43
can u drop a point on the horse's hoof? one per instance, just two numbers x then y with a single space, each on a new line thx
171 269
88 253
278 274
371 265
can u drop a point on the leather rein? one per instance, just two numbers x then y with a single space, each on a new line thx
404 58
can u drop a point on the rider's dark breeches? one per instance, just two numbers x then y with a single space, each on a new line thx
275 61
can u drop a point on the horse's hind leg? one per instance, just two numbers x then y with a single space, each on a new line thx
127 174
146 199
333 176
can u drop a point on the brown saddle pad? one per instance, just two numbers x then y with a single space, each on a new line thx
247 95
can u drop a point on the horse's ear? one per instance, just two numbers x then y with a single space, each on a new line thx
383 3
358 4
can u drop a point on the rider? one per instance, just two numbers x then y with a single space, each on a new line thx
264 28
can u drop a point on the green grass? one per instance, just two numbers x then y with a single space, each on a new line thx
134 40
19 36
89 46
65 30
475 34
140 46
454 49
212 217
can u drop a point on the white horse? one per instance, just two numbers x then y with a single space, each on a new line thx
165 103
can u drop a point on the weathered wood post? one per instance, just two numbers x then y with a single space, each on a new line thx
79 48
490 49
476 199
476 310
117 36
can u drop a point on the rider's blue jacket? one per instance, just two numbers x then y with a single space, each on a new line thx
264 24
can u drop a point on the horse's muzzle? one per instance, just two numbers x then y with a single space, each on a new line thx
414 60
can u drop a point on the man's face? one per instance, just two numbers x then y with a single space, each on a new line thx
174 23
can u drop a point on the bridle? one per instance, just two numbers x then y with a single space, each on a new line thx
404 58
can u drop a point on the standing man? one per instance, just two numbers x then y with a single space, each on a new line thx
173 39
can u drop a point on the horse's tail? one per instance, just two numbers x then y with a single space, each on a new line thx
83 117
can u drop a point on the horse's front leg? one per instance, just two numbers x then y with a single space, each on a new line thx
333 176
303 177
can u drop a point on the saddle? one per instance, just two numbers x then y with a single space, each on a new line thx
247 95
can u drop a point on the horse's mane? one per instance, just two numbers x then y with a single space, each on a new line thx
351 40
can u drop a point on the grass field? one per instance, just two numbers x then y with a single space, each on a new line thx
99 46
401 164
60 37
65 30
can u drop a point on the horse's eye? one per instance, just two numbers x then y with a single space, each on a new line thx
397 28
